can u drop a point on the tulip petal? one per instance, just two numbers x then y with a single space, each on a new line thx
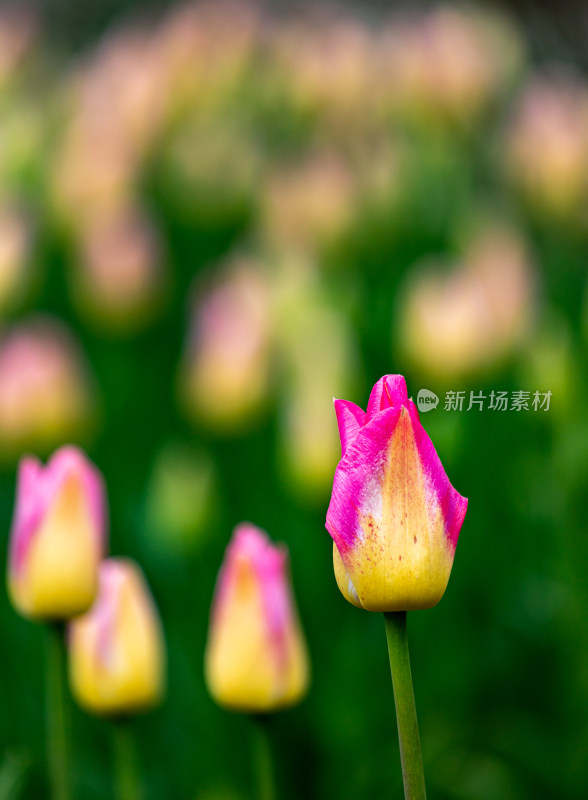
344 582
453 505
39 485
388 392
350 418
356 487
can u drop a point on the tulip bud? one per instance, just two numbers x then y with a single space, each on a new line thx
546 150
46 393
470 319
256 658
225 370
120 281
117 652
58 536
394 516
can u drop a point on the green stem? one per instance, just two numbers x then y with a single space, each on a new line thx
408 728
126 773
57 723
262 760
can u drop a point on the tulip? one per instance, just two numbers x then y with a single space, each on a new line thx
394 516
468 320
315 344
46 393
328 70
395 520
120 281
256 658
445 66
58 536
117 655
308 206
546 153
225 371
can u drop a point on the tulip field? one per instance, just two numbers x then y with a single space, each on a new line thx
293 346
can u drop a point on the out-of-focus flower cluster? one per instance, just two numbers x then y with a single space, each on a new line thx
292 191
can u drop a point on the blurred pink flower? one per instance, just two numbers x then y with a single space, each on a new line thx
205 48
119 278
45 393
547 146
225 370
446 64
308 204
454 323
326 63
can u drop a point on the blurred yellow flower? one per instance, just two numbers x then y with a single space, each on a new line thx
256 658
116 650
119 278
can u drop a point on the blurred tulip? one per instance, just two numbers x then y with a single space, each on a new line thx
96 162
446 65
455 324
256 658
116 112
44 388
116 650
58 536
308 205
547 146
327 65
225 374
205 49
15 272
123 88
119 278
394 516
317 351
94 171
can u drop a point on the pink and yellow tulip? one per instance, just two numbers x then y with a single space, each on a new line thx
117 653
394 516
256 657
58 536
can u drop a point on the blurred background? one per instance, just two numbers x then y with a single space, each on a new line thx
215 217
